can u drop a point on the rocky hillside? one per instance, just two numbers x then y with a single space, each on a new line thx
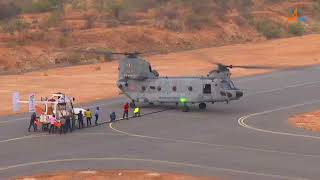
46 33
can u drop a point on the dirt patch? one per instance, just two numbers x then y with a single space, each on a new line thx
308 121
97 81
114 175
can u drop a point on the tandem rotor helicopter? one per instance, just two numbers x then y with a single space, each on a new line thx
141 84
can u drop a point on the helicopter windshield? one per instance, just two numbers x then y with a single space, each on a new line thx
227 84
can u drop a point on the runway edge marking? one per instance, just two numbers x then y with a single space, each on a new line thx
242 120
47 135
177 164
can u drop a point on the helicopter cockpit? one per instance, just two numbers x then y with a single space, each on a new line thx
228 85
230 90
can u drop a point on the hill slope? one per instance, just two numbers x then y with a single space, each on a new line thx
43 34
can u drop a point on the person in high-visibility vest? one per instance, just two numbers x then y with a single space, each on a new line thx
88 115
136 112
184 103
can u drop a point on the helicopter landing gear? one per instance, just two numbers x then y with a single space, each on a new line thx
185 108
202 106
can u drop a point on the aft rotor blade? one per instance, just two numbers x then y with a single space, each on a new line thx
249 66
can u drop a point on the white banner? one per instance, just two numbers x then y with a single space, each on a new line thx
32 103
15 102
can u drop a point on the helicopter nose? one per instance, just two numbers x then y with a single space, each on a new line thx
239 94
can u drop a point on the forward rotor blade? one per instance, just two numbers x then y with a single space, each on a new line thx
255 67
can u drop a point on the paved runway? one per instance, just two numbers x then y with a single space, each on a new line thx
244 140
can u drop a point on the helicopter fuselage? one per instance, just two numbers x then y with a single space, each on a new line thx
176 89
141 83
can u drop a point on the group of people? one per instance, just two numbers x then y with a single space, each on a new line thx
88 115
67 123
125 115
136 111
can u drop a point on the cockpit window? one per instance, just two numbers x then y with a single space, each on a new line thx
227 84
232 85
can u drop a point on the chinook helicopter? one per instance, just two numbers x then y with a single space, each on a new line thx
141 84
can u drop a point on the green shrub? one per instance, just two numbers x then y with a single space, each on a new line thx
173 25
8 11
63 41
316 27
115 7
70 58
54 18
15 25
74 58
316 5
269 29
142 5
196 22
296 29
38 36
224 4
82 5
89 21
43 6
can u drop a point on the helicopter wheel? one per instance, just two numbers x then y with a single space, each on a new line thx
185 108
202 106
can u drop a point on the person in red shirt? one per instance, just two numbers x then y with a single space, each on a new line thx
126 111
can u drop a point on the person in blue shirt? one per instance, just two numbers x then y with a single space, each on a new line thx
113 117
96 114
